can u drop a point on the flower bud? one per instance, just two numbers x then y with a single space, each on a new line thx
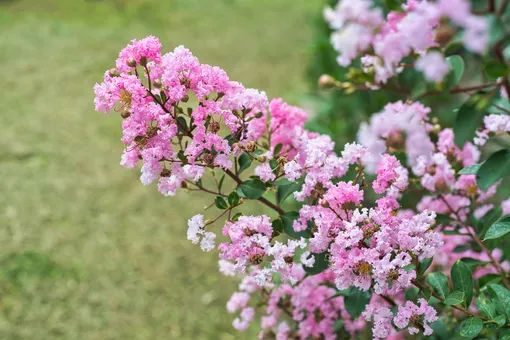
143 61
214 127
441 186
256 259
185 98
327 82
125 114
131 62
166 173
157 83
258 115
261 159
113 72
251 146
208 159
436 128
444 34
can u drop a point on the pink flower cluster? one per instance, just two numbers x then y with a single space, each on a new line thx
360 28
154 121
398 127
495 124
311 303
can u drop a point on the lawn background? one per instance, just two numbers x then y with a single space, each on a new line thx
87 251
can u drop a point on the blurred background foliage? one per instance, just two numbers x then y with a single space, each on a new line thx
87 251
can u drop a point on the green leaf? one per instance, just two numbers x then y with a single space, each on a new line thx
497 29
498 229
321 264
495 69
356 301
470 170
277 149
244 162
337 326
456 65
233 199
423 266
343 292
454 298
500 320
462 280
485 306
236 216
470 117
493 169
424 293
183 125
471 327
472 263
443 219
277 227
439 282
411 293
501 297
252 189
283 191
488 279
182 157
393 5
489 219
288 225
220 184
419 90
220 203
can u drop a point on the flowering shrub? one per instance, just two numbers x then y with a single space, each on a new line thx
395 233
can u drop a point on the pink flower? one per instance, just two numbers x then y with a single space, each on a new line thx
433 66
148 48
418 317
390 175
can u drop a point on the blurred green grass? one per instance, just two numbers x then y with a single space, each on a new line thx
87 251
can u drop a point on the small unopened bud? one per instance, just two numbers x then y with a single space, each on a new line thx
325 204
256 259
436 128
251 146
185 98
288 259
214 127
396 140
157 83
259 115
206 222
327 82
113 72
441 186
131 62
185 82
282 160
444 34
249 232
166 173
143 61
261 159
208 159
125 114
